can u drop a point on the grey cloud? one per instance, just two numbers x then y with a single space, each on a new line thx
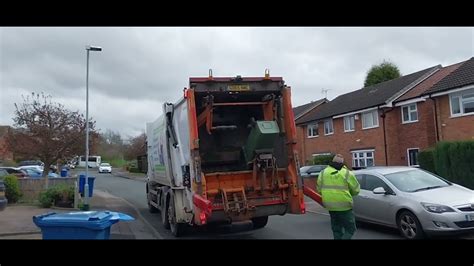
143 67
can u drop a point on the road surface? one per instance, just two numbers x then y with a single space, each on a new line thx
313 225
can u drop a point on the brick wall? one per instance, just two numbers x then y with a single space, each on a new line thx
343 142
5 153
403 136
453 128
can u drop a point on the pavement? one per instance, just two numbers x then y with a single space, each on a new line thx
17 222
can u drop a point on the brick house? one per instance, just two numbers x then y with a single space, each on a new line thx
362 125
453 98
5 153
413 121
299 112
389 123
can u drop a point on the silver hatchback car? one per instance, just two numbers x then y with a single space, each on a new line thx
414 201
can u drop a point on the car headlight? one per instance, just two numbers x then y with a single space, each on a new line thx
436 208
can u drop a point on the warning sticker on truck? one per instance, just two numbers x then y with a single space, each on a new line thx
240 87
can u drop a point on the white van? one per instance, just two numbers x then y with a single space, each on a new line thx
94 161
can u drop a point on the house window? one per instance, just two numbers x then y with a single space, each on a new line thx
320 154
409 113
363 158
370 119
313 130
413 156
349 123
462 103
328 128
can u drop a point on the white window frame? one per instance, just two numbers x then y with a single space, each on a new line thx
332 127
308 129
348 118
409 113
370 112
408 156
354 158
460 101
320 154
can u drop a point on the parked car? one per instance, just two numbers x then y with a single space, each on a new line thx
34 173
3 198
31 162
311 170
415 201
35 167
3 173
105 168
15 171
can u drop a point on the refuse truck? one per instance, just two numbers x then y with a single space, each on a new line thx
224 153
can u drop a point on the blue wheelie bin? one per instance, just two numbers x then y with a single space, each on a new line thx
82 182
64 172
78 225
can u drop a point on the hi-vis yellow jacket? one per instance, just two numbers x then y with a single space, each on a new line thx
337 188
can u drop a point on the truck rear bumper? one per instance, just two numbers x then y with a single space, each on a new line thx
267 210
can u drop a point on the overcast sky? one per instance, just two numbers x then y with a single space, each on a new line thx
140 68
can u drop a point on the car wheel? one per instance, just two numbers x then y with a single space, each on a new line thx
409 225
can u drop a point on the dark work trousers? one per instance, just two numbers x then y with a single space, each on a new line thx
343 224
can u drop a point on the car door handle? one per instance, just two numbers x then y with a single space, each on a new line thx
364 197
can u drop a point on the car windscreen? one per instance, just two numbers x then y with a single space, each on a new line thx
317 168
104 164
304 169
415 180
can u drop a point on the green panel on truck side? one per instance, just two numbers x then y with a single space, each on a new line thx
262 136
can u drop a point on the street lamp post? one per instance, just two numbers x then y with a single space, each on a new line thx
86 185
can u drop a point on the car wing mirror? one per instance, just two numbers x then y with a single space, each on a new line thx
379 190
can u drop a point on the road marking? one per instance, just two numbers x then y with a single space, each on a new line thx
157 235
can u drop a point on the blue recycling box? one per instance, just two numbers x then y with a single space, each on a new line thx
82 182
64 172
78 225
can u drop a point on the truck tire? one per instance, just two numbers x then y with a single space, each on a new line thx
177 229
260 222
164 214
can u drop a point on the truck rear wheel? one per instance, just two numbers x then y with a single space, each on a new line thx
260 222
177 229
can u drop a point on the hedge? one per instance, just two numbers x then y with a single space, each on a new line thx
451 160
12 188
322 159
426 160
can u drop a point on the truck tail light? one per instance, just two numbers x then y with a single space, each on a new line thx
203 204
302 206
203 218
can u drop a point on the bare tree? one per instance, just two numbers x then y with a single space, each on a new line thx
47 131
110 145
136 147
